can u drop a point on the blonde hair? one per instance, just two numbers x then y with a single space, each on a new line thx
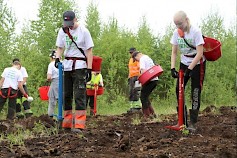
182 15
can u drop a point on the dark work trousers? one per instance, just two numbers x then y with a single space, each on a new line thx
75 85
196 83
11 102
90 101
25 103
145 93
133 92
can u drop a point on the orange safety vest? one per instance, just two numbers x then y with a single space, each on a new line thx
134 68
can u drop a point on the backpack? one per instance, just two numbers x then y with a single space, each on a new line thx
211 48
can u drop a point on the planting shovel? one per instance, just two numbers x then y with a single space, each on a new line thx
182 114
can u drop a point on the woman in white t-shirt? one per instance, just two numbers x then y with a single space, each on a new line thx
192 60
52 76
146 63
10 82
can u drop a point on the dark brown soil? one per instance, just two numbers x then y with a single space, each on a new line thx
118 136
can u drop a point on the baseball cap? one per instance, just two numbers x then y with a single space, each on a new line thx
16 59
68 18
53 54
131 50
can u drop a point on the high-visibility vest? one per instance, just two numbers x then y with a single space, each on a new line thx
95 79
134 68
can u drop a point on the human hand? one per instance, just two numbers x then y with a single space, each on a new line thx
25 95
88 75
174 73
188 73
57 61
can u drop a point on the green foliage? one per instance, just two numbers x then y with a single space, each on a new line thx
44 31
7 28
112 42
93 21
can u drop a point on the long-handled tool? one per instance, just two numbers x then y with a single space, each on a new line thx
60 93
95 98
182 118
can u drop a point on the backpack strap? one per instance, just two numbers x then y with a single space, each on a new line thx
181 34
66 30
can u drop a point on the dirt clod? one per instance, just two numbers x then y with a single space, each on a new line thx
119 136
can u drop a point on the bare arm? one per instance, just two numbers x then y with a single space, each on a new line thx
49 77
89 58
174 55
20 86
1 81
197 57
59 52
24 80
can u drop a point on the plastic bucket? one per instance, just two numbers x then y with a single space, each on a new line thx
212 49
149 74
91 92
96 63
43 92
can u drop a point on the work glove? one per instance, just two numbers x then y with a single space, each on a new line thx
57 61
88 75
174 73
188 73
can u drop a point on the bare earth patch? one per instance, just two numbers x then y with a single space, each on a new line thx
119 136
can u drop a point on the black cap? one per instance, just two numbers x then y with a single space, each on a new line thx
16 59
131 50
53 54
68 18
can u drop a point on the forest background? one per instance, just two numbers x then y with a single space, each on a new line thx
112 42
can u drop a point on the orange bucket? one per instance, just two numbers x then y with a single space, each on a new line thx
212 49
91 92
149 74
96 63
43 92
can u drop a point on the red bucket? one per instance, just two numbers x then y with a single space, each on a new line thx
43 92
151 73
91 92
212 49
96 63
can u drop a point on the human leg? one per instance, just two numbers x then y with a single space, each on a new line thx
12 104
68 96
145 93
197 79
26 104
79 81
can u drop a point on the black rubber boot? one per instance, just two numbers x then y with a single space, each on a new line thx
152 112
193 119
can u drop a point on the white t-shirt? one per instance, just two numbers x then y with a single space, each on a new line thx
82 37
11 77
194 37
24 73
146 63
52 70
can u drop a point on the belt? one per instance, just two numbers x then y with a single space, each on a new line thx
190 56
8 93
74 61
